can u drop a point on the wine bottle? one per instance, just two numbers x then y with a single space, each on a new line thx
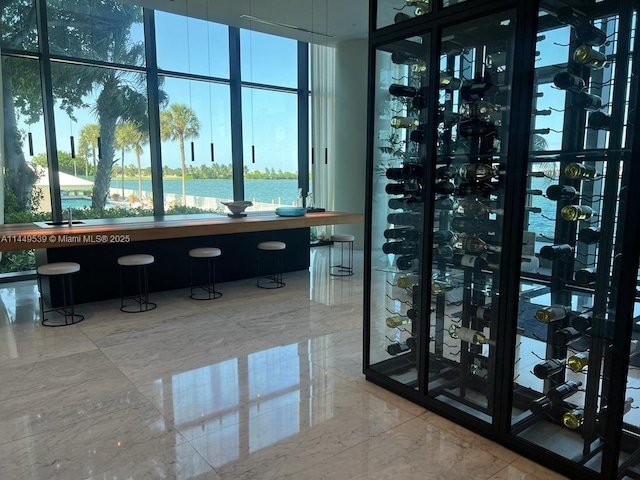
404 122
441 286
446 172
480 89
576 171
409 219
552 313
408 204
472 225
412 313
398 90
569 82
561 192
467 335
412 170
397 348
585 31
574 213
444 203
585 276
448 119
403 188
406 281
548 368
402 58
483 313
394 173
599 121
444 187
479 109
404 247
418 135
554 395
397 321
586 55
401 17
419 68
588 101
406 233
407 262
589 236
474 245
573 418
449 83
581 323
469 261
443 236
478 172
475 128
578 361
472 207
478 189
480 367
553 252
563 337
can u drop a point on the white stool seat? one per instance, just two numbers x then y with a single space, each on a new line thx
136 260
272 246
343 237
205 252
59 268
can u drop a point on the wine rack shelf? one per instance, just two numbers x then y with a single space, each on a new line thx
502 223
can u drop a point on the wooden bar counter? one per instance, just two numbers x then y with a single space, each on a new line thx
126 230
97 244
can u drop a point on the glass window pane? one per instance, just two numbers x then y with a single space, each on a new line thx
270 136
106 31
192 45
268 59
26 196
101 126
196 175
18 25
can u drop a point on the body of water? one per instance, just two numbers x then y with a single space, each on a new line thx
261 190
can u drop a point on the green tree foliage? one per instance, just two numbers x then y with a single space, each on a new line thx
179 122
88 146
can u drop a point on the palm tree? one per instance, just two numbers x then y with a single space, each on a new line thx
179 122
123 141
88 144
134 137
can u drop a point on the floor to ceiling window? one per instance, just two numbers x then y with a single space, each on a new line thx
91 59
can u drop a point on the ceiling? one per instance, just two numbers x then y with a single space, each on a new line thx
343 19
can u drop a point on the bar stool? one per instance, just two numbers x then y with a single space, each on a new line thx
342 270
210 253
140 261
64 270
275 278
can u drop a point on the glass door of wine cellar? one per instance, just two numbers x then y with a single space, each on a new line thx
501 150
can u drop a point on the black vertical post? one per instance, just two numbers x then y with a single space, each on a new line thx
235 92
46 84
303 118
514 198
153 109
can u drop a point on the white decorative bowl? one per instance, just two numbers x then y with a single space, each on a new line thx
237 207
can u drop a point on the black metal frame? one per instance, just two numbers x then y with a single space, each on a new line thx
210 286
67 310
274 278
626 242
341 270
142 297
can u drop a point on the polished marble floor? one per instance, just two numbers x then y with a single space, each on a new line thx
258 384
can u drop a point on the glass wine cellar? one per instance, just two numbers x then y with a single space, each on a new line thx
503 222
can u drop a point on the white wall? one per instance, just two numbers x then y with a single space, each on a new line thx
351 132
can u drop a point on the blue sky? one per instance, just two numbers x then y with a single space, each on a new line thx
194 46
